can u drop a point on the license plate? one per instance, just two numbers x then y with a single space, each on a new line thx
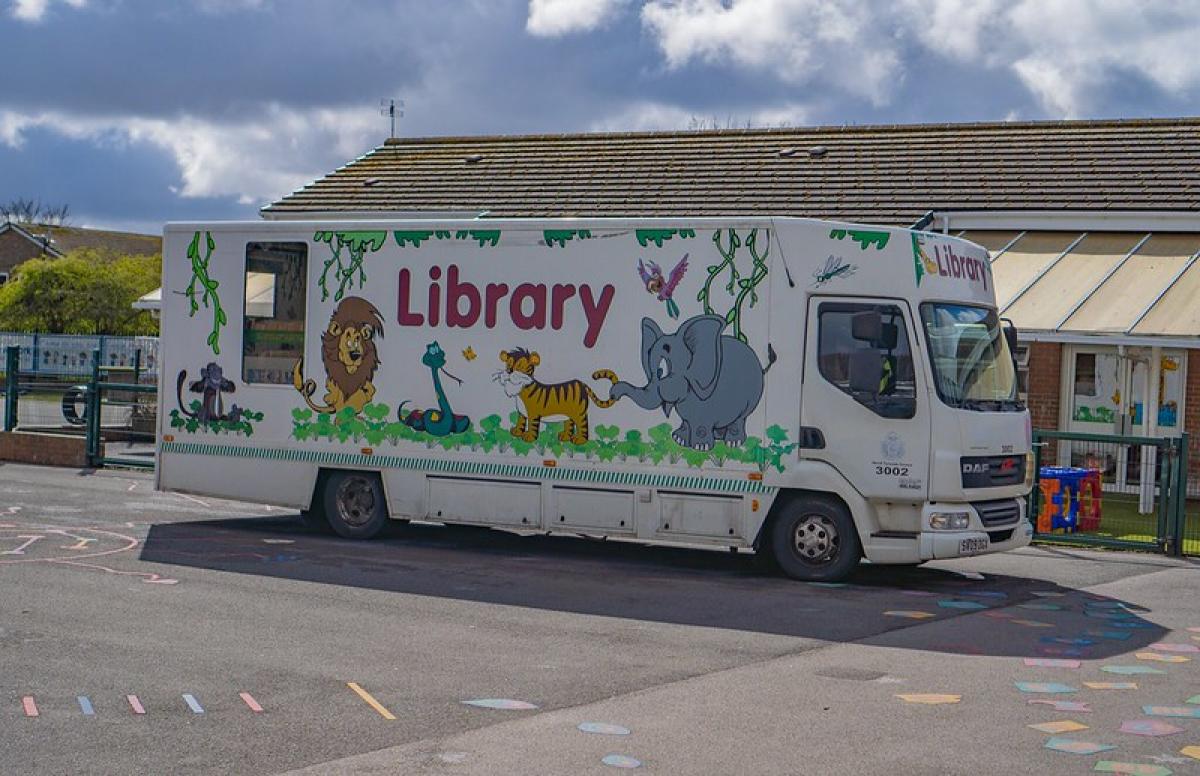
972 546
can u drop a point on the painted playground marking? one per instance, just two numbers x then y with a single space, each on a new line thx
85 705
192 703
30 706
249 700
370 701
135 704
106 543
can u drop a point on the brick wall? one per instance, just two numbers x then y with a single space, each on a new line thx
1045 368
45 449
1191 418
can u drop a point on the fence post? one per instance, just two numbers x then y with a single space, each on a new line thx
12 367
137 366
35 354
1179 521
93 410
1166 480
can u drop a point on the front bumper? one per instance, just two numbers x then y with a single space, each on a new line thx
939 545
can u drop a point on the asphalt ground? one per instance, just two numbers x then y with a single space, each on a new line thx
361 655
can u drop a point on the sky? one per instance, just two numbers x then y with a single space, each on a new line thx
138 112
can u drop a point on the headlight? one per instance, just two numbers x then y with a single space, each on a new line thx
949 521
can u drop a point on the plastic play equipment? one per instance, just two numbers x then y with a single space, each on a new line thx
1070 499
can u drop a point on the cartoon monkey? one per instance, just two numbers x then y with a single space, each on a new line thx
211 385
349 356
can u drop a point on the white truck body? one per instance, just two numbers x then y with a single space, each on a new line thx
730 372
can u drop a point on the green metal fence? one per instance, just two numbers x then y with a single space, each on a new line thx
114 407
1126 492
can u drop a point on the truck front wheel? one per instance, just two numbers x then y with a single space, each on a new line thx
354 504
814 539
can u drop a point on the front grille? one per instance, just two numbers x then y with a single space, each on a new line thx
990 471
1002 512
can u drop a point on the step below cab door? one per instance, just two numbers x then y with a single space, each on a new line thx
866 394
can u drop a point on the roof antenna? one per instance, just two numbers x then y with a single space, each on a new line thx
388 107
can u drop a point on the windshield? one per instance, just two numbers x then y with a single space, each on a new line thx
972 365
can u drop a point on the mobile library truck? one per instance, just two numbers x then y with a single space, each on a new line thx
816 391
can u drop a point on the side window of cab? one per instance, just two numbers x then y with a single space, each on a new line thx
864 351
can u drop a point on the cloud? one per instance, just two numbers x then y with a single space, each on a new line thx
1068 54
651 116
34 10
551 18
844 43
253 161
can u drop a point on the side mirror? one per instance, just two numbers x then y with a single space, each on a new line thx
1010 335
866 372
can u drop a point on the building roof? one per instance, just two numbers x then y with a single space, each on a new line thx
60 240
878 174
1079 285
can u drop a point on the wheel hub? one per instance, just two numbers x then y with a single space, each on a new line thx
356 501
816 539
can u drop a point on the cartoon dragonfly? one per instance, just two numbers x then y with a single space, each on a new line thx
663 287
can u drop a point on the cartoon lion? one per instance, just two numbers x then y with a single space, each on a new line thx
349 355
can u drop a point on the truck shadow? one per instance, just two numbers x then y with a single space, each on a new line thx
910 608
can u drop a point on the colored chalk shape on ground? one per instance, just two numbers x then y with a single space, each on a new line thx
1164 646
501 704
1050 662
370 701
30 706
1149 727
1158 657
998 614
85 705
1187 712
1044 687
192 703
1032 623
911 615
1111 685
1073 706
249 700
1193 699
1114 635
930 699
961 605
603 729
1039 607
984 593
135 705
1131 769
1047 594
1130 670
621 761
1191 751
1132 624
1059 726
1071 746
1067 641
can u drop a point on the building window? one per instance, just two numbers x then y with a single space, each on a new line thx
3 278
837 346
273 316
1085 374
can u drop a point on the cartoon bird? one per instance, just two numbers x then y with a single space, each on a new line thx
663 287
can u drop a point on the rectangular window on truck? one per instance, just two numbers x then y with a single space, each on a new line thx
973 368
864 350
273 316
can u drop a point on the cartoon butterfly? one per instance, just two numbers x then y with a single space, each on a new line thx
469 353
663 287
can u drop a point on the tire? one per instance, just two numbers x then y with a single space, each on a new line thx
814 539
354 504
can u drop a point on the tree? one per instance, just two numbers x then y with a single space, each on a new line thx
85 292
32 211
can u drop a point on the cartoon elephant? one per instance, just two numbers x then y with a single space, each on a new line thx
713 381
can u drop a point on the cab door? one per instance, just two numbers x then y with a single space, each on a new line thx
866 396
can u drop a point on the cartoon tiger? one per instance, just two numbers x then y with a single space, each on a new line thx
537 401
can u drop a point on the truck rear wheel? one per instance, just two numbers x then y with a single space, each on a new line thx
814 539
354 504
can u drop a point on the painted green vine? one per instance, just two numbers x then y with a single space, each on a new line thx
562 236
864 237
346 268
200 275
377 425
741 287
415 237
659 236
244 424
